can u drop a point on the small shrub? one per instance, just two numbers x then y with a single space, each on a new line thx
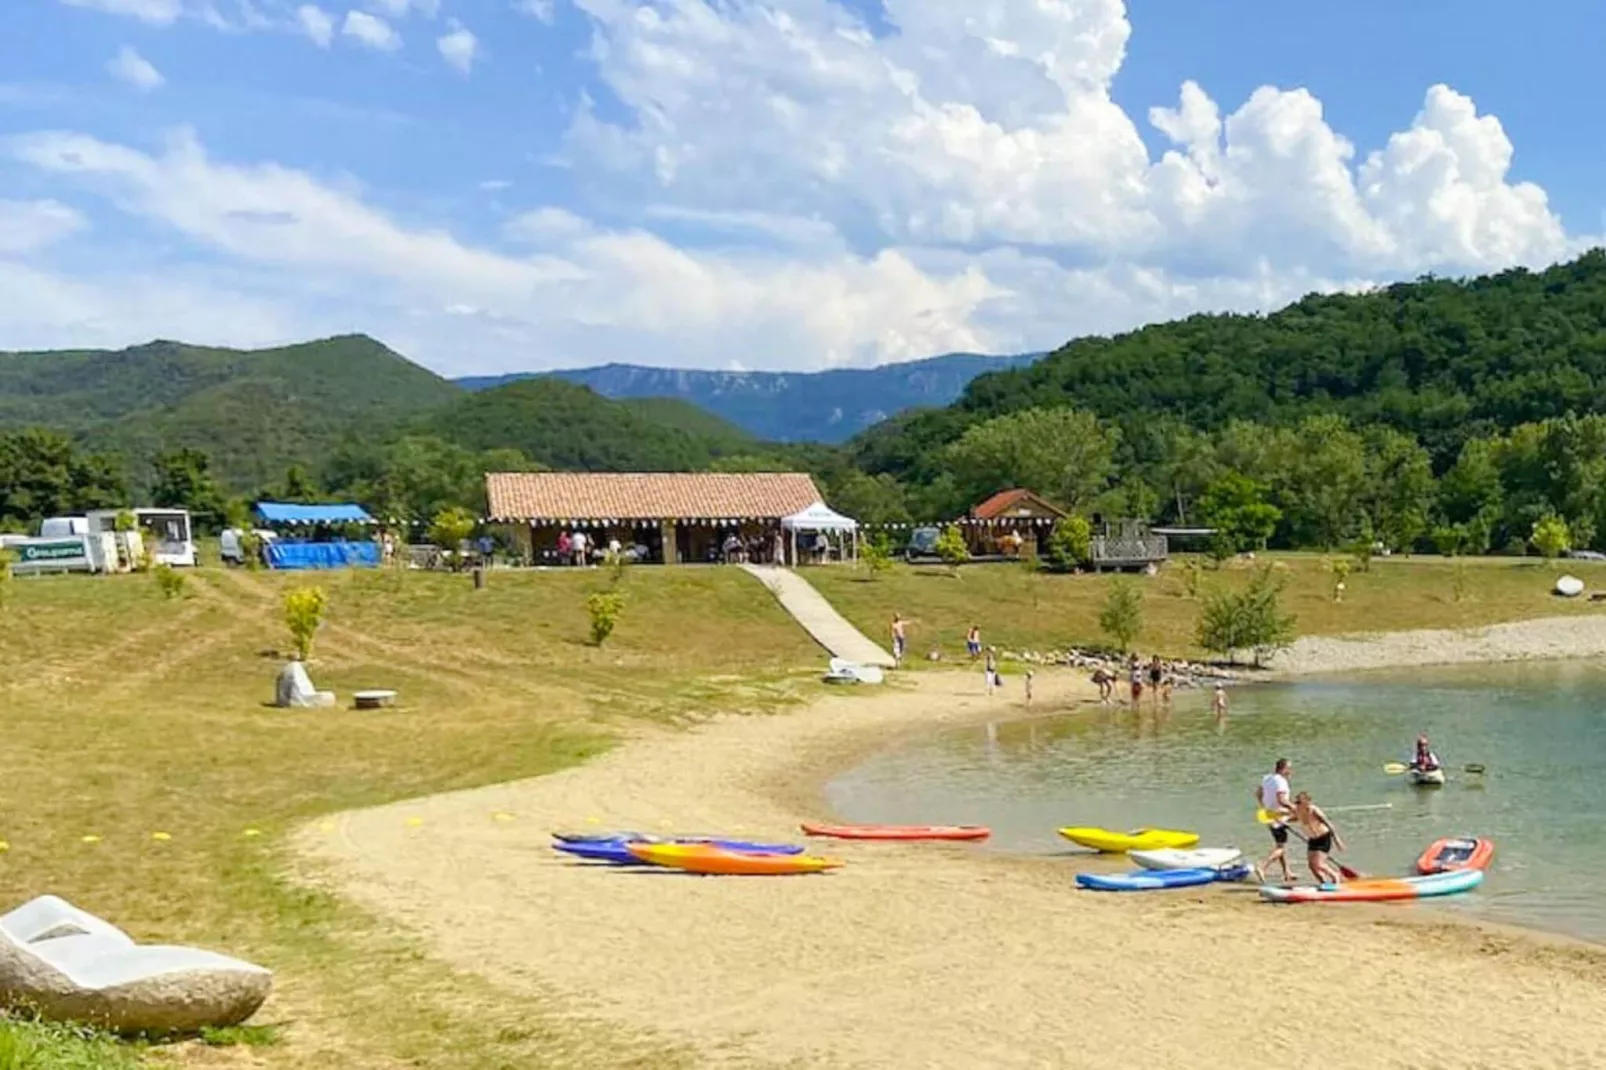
304 608
1551 537
1070 544
951 547
1449 539
876 554
251 549
124 522
450 529
1251 619
1459 580
604 609
1192 574
169 580
1122 616
1340 570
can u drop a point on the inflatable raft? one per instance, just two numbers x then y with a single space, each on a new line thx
1453 853
1198 858
1378 890
704 859
899 832
1120 842
1148 880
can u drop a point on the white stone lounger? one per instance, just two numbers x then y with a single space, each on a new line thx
100 976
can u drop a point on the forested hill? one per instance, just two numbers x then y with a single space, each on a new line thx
1441 360
827 406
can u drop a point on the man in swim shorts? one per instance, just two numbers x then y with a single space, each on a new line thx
1272 796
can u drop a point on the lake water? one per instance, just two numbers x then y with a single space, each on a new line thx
1539 728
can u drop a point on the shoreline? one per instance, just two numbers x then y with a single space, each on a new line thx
855 967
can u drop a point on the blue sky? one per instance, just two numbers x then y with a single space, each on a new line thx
492 185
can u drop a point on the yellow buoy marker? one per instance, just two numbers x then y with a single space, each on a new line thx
414 822
91 838
161 837
593 821
326 826
249 833
4 846
501 815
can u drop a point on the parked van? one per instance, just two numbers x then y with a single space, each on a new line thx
232 551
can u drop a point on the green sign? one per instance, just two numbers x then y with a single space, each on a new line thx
65 550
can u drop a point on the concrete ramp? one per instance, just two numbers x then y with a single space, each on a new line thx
819 618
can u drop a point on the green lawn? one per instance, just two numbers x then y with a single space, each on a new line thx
1021 610
147 780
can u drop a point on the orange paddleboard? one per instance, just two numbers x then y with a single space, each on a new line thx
700 858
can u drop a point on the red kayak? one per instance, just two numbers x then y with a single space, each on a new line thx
1453 853
899 832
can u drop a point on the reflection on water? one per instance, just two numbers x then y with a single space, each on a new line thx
1539 728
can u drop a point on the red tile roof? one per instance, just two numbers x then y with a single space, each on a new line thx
1008 501
648 496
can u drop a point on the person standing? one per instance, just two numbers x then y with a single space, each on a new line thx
1218 703
1156 676
900 640
1272 796
991 669
1320 840
565 548
973 642
1028 687
577 545
1134 677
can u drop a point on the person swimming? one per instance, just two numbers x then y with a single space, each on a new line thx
1320 839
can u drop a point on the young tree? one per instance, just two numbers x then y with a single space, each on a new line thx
604 609
450 529
1251 619
1122 616
876 554
304 608
1551 537
951 547
1070 545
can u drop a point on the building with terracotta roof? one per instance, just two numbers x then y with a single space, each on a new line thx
1010 523
666 516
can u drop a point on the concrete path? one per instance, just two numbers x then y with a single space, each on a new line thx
819 618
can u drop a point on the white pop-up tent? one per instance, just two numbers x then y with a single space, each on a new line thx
821 518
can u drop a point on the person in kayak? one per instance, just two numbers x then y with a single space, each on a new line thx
1320 839
1272 796
1423 760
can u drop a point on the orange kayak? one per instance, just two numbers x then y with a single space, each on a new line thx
899 832
700 858
1456 853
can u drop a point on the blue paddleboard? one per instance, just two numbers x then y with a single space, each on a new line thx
1147 880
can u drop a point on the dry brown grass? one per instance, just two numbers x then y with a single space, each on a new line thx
1021 610
129 716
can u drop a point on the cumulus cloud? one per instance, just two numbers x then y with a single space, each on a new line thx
130 67
371 31
316 23
28 226
541 9
804 188
459 48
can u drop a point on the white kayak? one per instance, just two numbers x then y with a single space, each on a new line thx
1192 858
1427 777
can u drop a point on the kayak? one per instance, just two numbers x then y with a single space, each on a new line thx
1428 778
1378 890
899 832
618 851
1136 840
702 858
1198 858
1147 880
1454 853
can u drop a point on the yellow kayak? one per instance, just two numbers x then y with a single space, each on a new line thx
1136 840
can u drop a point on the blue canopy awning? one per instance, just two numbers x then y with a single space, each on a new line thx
294 513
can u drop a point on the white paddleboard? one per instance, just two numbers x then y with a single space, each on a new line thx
1193 858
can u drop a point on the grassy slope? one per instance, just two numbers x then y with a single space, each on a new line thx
1018 610
128 715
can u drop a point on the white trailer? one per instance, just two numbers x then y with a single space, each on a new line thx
167 533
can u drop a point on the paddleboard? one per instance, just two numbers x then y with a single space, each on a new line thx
1453 853
1147 880
899 832
1198 858
703 859
1137 840
1378 890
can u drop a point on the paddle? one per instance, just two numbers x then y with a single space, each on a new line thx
1396 768
1266 817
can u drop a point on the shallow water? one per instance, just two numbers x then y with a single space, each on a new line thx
1539 728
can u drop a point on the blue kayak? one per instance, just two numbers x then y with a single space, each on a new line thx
597 837
617 851
1147 880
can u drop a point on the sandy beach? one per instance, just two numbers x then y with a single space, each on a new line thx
1545 637
930 956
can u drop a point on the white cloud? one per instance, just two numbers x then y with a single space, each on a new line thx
134 69
28 226
541 9
371 31
793 187
155 12
495 185
459 48
316 23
